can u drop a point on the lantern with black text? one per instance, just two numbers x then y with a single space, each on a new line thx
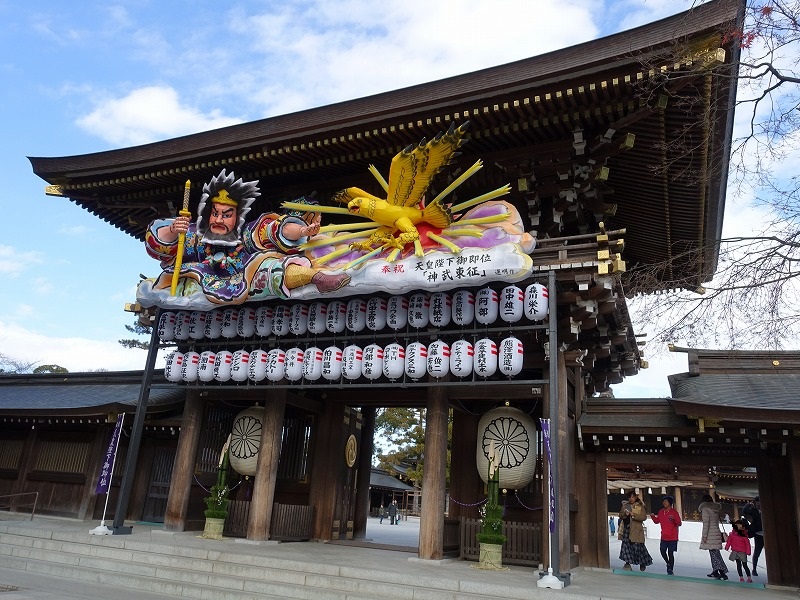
317 313
213 327
246 440
312 363
397 312
441 309
419 310
276 364
246 322
376 314
294 364
485 358
511 355
394 361
487 305
264 320
463 307
352 358
166 327
416 360
336 319
512 301
298 319
197 325
280 320
356 315
230 321
536 302
173 366
332 363
191 364
222 365
240 365
182 325
438 359
461 358
205 371
257 370
372 361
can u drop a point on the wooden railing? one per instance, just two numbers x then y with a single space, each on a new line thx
522 547
290 522
13 504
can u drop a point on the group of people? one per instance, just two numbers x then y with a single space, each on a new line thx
633 551
392 512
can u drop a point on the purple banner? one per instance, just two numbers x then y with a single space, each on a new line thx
104 481
546 436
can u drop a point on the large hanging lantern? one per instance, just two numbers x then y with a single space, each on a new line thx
298 319
536 302
416 360
485 358
317 312
205 371
246 440
419 310
246 323
191 364
312 363
257 370
280 320
394 359
182 325
441 309
294 364
372 363
264 316
230 321
276 364
222 365
463 307
397 312
172 366
514 435
213 327
352 358
240 365
336 319
197 324
356 315
376 314
332 363
511 354
166 327
461 358
512 301
487 305
438 364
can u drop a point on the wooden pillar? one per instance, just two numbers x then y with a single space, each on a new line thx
29 453
94 468
679 500
267 467
185 456
591 521
364 471
466 485
431 530
325 468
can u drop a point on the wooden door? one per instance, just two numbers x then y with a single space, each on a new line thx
344 509
155 505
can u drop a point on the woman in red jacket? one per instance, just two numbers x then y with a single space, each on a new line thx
670 520
739 545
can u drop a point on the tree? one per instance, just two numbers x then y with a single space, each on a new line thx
138 329
15 366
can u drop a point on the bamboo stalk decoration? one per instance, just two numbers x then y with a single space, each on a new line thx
184 212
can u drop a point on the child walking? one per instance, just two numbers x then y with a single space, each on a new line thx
739 545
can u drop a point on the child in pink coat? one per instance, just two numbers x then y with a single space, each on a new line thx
739 545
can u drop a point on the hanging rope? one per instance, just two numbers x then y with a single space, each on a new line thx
463 504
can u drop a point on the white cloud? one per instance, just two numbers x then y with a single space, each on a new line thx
14 262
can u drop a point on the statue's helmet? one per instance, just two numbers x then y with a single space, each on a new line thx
226 189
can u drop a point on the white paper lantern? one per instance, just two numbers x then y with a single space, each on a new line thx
298 319
463 307
246 322
372 362
172 366
514 435
197 324
438 359
356 315
511 353
213 324
312 363
222 365
317 314
294 364
246 440
397 312
441 309
336 319
191 365
352 358
332 363
182 325
419 310
205 371
416 360
461 358
486 306
394 361
257 370
166 327
376 314
240 365
264 320
230 321
276 364
536 302
280 320
512 301
485 358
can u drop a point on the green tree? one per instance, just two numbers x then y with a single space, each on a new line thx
138 329
13 366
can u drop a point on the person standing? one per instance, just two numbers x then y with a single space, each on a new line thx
611 527
381 514
393 512
711 538
755 529
670 520
632 549
739 545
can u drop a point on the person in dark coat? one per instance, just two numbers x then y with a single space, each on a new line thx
755 529
393 512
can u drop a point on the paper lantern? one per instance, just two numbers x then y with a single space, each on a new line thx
317 313
419 310
166 327
332 363
280 320
397 312
356 315
213 324
246 440
336 319
205 371
394 361
461 358
294 364
372 362
463 307
172 366
197 324
441 309
257 370
376 314
276 364
312 363
416 360
246 322
485 358
536 302
352 357
230 321
486 306
240 365
222 365
264 320
182 325
511 353
438 359
190 367
512 435
512 301
298 319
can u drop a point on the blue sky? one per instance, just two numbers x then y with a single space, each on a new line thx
81 77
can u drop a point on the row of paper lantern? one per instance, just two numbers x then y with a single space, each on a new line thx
437 359
316 318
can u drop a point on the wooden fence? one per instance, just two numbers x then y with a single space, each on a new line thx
290 522
523 544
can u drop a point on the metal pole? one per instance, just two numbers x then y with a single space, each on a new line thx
552 331
136 435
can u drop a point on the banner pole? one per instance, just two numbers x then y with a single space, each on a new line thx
102 529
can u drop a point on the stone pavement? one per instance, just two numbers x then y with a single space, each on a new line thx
690 580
